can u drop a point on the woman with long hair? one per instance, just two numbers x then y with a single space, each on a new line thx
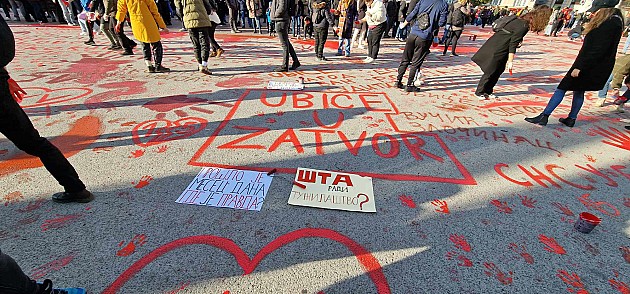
594 62
498 52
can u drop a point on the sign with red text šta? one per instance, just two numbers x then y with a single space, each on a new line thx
231 188
332 190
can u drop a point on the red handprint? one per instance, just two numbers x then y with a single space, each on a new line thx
551 244
460 242
626 202
130 248
137 153
260 113
279 113
625 252
617 138
601 206
144 181
522 251
527 202
271 120
442 206
407 200
494 271
564 209
590 158
463 260
13 197
619 286
501 206
573 281
162 149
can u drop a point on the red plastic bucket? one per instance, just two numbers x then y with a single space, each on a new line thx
587 222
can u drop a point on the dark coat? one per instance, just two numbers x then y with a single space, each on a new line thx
493 55
402 11
596 58
361 8
7 48
350 16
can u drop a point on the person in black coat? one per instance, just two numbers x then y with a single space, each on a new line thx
498 52
594 62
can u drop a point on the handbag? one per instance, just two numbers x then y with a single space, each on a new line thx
214 17
423 20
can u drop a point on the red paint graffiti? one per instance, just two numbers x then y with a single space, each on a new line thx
460 242
154 132
369 263
501 206
551 244
130 248
407 201
494 271
55 265
522 251
143 182
527 202
573 281
619 286
442 206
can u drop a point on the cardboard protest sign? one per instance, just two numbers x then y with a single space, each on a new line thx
232 188
332 190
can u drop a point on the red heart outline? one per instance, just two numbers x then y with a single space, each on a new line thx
368 262
44 100
160 134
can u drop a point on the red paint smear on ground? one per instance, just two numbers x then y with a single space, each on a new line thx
169 103
368 262
240 82
83 133
88 70
551 244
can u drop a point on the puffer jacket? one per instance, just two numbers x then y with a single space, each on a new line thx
322 8
195 13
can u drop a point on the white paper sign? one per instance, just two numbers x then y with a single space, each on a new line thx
332 190
290 86
232 188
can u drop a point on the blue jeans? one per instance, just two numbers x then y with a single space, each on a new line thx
340 49
297 25
558 95
603 92
625 47
402 33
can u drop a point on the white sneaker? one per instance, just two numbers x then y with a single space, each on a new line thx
492 96
482 97
368 60
82 34
620 108
600 102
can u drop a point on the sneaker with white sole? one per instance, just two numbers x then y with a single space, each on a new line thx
368 60
482 97
492 96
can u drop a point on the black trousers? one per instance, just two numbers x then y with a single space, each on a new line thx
164 10
416 50
374 39
200 38
125 42
12 278
453 39
233 16
16 126
282 28
213 42
321 34
489 80
155 49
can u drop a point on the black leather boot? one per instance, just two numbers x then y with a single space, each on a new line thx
569 122
541 119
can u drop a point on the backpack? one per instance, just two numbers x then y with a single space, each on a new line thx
459 18
423 20
499 24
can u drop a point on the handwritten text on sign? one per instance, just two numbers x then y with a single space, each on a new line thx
333 190
232 188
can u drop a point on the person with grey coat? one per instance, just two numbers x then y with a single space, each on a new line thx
322 18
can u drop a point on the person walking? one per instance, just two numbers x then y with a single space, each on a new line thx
347 11
108 23
17 127
457 20
255 12
359 31
376 18
145 24
434 13
594 62
198 24
322 18
280 14
497 53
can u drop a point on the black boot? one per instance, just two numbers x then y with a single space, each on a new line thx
541 119
66 197
569 122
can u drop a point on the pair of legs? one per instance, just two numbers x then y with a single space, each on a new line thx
67 13
358 36
321 34
374 39
344 47
626 45
233 15
489 80
558 95
282 28
401 34
200 38
213 42
153 52
296 22
17 127
107 26
452 39
123 40
416 50
256 24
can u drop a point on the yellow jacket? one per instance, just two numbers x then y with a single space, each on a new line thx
145 19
